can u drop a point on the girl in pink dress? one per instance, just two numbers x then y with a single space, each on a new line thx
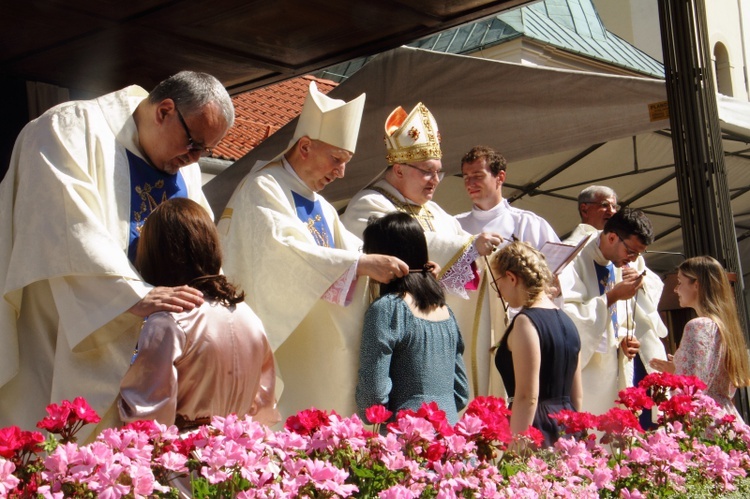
712 346
214 360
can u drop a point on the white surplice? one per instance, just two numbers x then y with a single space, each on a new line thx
66 280
509 222
273 256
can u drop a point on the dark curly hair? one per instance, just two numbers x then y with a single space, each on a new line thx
630 222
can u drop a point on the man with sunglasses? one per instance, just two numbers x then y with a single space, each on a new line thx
614 307
83 178
408 185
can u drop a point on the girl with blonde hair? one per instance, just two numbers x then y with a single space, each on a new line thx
538 356
713 345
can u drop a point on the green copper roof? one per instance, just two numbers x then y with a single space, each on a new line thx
572 25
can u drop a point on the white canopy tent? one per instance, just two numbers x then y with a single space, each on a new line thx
560 131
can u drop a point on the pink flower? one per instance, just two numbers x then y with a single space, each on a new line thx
8 482
377 414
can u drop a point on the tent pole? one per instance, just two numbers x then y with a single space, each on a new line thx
703 190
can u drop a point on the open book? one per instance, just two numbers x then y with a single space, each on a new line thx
559 255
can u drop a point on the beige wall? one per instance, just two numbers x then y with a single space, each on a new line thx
637 21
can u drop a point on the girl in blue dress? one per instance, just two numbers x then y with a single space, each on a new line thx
412 350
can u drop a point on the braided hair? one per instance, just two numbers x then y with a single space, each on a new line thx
528 264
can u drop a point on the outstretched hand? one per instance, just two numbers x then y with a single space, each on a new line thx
664 366
164 299
381 268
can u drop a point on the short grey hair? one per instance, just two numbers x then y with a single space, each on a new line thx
191 91
592 192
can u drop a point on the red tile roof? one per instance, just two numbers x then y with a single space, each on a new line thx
261 112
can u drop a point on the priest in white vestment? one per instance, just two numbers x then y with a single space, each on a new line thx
483 170
408 185
82 179
286 247
613 302
596 205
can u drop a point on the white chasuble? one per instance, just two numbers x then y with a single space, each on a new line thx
65 211
275 257
605 371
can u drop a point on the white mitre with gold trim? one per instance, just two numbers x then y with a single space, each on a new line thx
412 138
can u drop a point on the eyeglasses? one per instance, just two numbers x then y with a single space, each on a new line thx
493 285
192 145
628 249
428 174
605 204
493 280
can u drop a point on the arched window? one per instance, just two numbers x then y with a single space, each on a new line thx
723 70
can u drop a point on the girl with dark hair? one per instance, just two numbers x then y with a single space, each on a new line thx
538 356
213 360
713 345
412 350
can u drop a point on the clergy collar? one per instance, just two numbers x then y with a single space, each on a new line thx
598 256
309 193
493 212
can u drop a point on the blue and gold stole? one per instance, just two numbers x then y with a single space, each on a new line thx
311 214
149 187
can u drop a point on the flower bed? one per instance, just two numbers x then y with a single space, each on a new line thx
697 450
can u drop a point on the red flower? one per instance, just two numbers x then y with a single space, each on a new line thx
494 414
432 413
677 406
57 418
82 411
307 421
635 398
617 421
689 384
144 426
11 440
575 422
186 444
534 435
435 451
377 414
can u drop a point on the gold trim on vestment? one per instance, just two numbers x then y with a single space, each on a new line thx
475 331
227 213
